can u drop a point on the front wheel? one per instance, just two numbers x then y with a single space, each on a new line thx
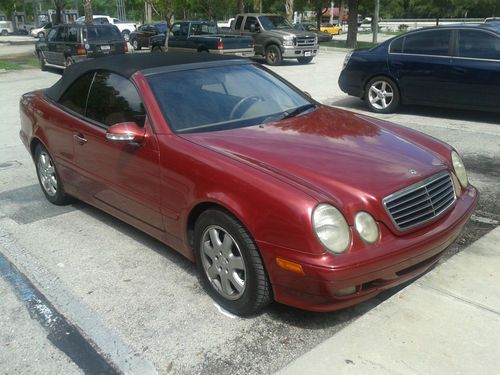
126 35
40 35
156 49
304 60
273 55
136 45
229 265
382 95
48 177
69 61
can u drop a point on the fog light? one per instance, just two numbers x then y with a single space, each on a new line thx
346 291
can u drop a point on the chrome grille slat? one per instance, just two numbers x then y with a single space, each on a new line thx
305 42
420 202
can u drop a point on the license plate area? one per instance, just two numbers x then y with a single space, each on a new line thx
307 53
105 48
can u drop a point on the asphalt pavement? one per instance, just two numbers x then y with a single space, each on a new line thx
140 305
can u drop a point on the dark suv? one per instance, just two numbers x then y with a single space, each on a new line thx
68 44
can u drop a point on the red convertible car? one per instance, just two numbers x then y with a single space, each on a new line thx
273 195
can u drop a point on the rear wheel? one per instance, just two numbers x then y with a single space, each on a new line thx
136 45
126 35
48 177
273 55
156 49
69 61
304 60
41 59
5 33
382 95
229 264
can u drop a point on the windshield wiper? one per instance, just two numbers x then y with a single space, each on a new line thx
297 111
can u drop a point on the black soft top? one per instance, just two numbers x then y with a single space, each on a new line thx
127 65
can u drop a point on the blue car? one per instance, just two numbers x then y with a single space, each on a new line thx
448 66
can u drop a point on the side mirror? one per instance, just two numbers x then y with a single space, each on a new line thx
127 132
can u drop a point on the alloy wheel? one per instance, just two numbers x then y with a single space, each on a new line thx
380 94
223 262
47 173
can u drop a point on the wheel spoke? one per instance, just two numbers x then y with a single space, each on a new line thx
225 284
214 237
237 283
384 103
383 87
208 250
213 271
236 263
389 94
227 245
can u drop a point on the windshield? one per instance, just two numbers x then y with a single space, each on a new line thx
102 32
274 22
219 98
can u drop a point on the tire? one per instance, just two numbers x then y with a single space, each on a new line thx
126 35
156 49
40 35
136 45
304 60
382 95
69 61
246 290
41 59
5 33
273 55
49 179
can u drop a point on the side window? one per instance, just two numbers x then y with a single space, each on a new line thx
176 28
184 29
75 97
61 34
478 44
73 34
397 45
251 21
52 35
428 43
238 23
114 99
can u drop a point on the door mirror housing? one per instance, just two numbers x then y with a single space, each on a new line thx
127 132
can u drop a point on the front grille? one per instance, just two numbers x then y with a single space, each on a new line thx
305 42
421 202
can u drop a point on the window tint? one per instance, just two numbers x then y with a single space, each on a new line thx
237 25
397 46
428 43
51 35
75 97
114 99
203 29
61 34
251 21
73 34
102 33
478 44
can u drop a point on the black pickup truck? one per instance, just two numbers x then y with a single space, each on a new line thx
201 36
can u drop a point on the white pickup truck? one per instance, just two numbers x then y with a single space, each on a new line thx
125 27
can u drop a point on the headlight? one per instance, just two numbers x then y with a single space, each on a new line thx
331 228
458 166
366 227
288 40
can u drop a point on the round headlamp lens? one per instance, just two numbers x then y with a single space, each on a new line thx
458 166
331 228
366 226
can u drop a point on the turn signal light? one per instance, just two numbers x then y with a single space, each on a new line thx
80 50
290 266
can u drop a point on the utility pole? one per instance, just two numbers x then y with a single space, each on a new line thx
375 21
331 13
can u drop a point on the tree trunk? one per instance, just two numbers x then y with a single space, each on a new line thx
352 22
87 10
241 6
319 13
341 12
58 14
289 10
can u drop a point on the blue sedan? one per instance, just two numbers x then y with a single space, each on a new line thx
448 66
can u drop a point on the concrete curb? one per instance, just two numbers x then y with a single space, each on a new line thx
447 322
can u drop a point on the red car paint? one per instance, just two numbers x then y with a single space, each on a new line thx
270 177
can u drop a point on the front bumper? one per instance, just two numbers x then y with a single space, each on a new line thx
397 260
294 52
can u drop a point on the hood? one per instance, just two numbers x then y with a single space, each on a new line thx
347 159
294 32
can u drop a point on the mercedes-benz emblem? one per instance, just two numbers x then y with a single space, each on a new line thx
413 172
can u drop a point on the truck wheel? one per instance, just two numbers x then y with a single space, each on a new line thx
273 55
5 33
69 61
40 35
126 35
43 67
156 49
304 60
136 45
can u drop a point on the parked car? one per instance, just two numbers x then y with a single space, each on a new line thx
6 28
140 38
71 43
41 31
332 29
125 27
322 36
272 194
447 66
203 36
276 39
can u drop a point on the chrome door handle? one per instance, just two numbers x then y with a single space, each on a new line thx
79 138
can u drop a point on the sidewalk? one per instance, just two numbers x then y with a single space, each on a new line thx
447 322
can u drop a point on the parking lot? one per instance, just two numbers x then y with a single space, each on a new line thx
140 303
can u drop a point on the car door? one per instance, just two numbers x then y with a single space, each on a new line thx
119 175
59 46
476 69
178 37
45 46
421 63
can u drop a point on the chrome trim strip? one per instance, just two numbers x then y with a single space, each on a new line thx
436 206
